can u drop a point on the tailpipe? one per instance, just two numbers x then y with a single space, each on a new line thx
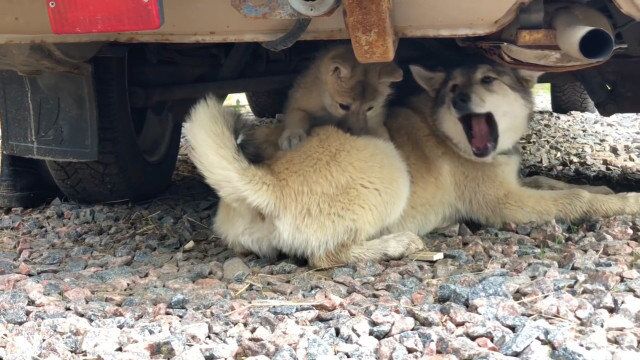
583 33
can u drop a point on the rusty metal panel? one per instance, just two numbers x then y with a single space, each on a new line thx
537 37
538 60
370 29
265 9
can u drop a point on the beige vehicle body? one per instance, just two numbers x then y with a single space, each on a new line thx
75 97
232 21
215 21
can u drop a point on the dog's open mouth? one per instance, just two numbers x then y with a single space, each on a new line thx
482 133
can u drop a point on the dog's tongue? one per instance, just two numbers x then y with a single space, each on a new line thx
480 132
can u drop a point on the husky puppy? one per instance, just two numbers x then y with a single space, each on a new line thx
341 198
338 90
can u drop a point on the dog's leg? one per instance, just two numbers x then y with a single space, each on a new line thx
545 183
387 247
521 204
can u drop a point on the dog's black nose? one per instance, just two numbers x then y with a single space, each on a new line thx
461 101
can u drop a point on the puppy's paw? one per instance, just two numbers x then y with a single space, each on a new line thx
415 244
402 244
291 138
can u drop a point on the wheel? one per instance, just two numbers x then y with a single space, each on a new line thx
570 96
267 104
137 148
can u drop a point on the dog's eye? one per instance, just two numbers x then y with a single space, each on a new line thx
369 108
453 88
344 107
487 80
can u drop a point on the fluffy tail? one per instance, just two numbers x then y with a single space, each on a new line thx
210 130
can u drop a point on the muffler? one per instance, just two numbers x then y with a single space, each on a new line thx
583 32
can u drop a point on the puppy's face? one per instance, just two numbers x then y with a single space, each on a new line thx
482 110
357 92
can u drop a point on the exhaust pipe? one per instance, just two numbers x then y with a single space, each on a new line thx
583 33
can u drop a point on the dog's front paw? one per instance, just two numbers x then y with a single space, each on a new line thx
399 245
291 138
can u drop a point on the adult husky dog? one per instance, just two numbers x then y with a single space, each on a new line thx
336 198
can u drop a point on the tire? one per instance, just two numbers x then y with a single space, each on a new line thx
267 104
137 148
570 96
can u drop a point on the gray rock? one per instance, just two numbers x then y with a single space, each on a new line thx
523 338
630 307
14 315
86 216
142 256
618 322
179 301
454 293
13 307
380 331
627 340
75 264
491 286
284 268
235 269
220 350
101 340
6 267
536 351
412 341
523 229
460 347
51 257
196 331
313 347
284 310
285 353
390 348
573 351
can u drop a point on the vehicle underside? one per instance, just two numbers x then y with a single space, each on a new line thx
102 107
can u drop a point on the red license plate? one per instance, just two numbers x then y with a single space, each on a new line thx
103 16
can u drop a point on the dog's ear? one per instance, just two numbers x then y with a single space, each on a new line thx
390 73
429 80
340 69
528 77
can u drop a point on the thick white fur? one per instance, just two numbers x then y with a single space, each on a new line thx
321 201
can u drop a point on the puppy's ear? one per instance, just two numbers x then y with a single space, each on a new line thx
429 80
529 78
340 69
390 73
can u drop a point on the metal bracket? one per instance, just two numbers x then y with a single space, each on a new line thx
371 30
300 10
288 39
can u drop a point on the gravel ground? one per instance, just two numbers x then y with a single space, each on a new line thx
124 281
